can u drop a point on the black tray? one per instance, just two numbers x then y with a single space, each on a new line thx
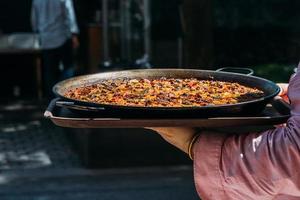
275 113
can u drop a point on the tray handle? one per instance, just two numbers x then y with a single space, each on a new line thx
72 105
50 108
240 70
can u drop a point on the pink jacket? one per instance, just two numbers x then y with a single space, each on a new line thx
255 166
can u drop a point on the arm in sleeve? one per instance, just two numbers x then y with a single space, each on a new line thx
71 17
251 166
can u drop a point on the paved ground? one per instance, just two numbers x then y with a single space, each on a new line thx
38 162
119 184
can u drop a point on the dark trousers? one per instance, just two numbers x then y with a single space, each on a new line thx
51 60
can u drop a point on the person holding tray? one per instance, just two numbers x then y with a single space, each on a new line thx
254 166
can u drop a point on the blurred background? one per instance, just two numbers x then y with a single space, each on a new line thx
41 161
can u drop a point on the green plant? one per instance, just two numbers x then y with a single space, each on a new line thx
274 72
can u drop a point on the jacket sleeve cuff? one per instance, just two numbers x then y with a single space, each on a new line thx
207 172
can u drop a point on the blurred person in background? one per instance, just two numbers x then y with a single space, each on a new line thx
55 22
254 166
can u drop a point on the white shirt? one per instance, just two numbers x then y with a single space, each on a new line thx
54 20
